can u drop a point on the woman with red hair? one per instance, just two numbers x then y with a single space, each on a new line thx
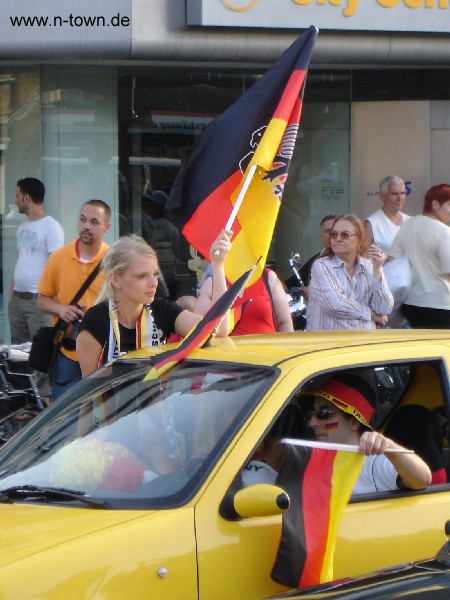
425 240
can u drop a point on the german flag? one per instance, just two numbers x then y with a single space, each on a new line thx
201 333
319 483
259 129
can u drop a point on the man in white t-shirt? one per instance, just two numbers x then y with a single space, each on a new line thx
37 238
382 226
340 414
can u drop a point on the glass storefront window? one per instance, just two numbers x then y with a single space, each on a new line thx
59 124
20 156
318 182
161 115
79 141
121 134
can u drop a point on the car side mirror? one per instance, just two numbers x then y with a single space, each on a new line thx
259 500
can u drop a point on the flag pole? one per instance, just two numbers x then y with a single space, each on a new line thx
240 197
335 446
239 200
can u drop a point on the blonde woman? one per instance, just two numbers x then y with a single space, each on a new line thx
347 290
127 315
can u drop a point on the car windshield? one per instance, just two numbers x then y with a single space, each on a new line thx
135 441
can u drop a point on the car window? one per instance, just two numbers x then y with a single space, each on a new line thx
411 407
135 441
388 382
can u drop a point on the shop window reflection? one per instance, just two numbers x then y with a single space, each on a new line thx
163 113
20 156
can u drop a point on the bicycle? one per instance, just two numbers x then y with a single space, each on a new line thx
20 400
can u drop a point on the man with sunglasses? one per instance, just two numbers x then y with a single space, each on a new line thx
326 225
341 412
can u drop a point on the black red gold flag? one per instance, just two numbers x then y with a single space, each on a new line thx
201 333
259 129
319 484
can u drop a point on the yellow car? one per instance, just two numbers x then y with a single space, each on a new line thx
133 487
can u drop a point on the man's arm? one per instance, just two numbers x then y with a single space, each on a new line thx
414 472
68 313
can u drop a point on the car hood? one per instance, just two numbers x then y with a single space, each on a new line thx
34 528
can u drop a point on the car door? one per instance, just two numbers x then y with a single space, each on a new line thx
391 530
395 527
235 558
87 553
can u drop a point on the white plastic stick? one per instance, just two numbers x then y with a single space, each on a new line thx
240 197
334 446
239 200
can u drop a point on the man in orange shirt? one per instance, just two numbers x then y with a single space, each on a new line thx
64 274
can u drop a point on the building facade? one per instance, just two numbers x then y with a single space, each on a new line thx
105 98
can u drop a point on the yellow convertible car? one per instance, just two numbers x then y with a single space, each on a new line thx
131 486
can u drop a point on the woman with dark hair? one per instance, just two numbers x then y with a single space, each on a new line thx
425 240
348 291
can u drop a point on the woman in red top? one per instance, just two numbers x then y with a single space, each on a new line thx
262 308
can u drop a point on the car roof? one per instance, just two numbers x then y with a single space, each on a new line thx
271 349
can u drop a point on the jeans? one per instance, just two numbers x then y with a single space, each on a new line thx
64 374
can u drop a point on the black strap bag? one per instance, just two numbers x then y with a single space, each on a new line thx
46 343
48 340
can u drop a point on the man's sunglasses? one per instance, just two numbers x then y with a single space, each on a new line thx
321 413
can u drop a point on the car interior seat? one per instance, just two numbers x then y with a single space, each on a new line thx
291 423
420 429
